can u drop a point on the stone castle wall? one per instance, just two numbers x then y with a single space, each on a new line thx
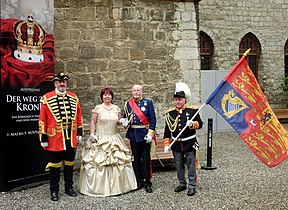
118 43
226 22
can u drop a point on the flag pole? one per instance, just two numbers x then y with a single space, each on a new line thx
192 118
247 52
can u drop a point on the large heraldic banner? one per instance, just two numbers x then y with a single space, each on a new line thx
27 66
241 102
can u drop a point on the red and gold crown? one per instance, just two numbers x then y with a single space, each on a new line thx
30 39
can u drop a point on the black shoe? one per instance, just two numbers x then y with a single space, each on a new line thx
54 195
180 188
139 186
70 191
191 192
148 189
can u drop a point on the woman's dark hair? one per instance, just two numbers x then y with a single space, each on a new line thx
104 91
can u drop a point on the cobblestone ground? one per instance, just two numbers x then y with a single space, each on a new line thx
241 181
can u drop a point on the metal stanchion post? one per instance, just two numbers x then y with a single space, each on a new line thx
209 146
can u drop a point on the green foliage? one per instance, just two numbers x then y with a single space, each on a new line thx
285 84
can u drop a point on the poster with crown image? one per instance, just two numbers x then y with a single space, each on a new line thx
27 66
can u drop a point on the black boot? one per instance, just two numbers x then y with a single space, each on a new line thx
68 179
70 191
54 183
54 195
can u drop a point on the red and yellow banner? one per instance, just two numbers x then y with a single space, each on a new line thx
240 100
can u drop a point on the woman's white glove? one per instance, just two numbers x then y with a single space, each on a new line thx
124 122
148 139
44 144
93 138
189 123
166 149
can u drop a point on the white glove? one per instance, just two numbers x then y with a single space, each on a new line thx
148 139
79 141
93 138
189 123
124 122
79 138
166 149
44 144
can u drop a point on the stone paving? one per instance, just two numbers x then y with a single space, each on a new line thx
241 181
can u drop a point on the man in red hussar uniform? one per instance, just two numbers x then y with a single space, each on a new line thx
60 131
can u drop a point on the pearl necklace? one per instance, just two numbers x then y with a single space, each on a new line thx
108 108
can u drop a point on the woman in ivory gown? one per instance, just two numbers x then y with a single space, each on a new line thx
106 167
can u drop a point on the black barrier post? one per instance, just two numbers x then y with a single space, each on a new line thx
209 146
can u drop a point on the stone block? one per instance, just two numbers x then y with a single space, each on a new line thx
102 12
129 77
156 15
137 35
103 53
160 36
109 23
95 79
141 44
117 13
102 34
120 33
87 34
170 16
150 77
88 13
96 65
87 53
73 34
185 53
118 3
186 16
60 35
117 64
76 66
68 53
83 80
71 14
77 25
136 54
187 26
156 53
120 53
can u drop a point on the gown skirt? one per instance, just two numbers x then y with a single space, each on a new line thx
106 167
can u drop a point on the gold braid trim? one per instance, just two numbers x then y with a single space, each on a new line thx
151 132
191 106
69 163
172 123
53 165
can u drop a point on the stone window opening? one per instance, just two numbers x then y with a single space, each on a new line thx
206 51
251 41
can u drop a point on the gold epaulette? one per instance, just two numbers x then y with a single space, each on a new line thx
170 109
191 106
